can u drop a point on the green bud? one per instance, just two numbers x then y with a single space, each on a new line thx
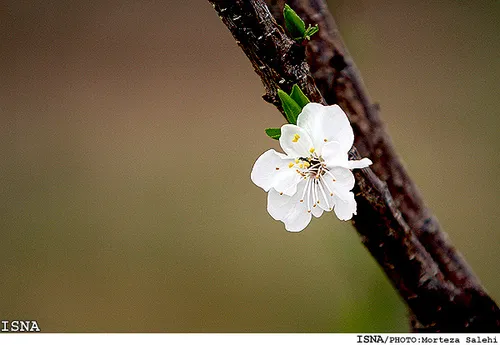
290 107
294 24
298 96
274 133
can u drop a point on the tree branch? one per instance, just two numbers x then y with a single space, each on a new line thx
438 287
340 83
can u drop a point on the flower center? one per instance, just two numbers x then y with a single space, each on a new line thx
316 167
314 170
310 167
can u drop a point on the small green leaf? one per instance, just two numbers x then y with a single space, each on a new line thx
274 133
295 26
298 96
290 107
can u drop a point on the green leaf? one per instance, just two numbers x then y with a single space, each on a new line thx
298 96
290 107
295 26
274 133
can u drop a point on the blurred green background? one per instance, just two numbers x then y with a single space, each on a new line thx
128 131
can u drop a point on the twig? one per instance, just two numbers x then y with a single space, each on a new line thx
437 301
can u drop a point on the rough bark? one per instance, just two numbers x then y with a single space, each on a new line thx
399 231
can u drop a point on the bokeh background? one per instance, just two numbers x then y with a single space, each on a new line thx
128 131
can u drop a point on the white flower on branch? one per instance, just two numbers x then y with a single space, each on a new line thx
314 175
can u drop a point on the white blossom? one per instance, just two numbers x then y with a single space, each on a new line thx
314 175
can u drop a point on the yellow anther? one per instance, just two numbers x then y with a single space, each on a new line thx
290 165
296 161
301 165
296 138
307 165
311 149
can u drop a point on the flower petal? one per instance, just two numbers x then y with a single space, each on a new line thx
336 185
362 163
334 155
297 220
272 169
289 209
317 211
326 124
343 177
345 206
295 141
278 205
286 181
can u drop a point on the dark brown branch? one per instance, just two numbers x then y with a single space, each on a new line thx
435 300
340 83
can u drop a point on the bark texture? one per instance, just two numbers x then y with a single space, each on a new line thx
397 228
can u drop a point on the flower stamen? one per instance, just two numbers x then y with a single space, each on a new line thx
327 187
314 190
324 194
309 195
329 173
304 192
